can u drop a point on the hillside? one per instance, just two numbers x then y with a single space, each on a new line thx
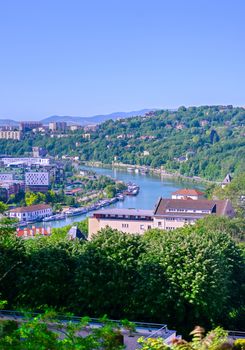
205 141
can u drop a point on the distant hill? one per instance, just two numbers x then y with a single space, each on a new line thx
97 119
8 122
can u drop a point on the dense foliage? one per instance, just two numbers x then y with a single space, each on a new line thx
205 141
182 278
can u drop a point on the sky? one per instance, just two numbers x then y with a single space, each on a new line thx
87 57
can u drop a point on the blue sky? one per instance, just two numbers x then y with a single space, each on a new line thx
86 57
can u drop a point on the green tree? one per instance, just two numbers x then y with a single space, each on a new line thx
3 207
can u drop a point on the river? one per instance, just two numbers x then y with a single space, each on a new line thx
151 188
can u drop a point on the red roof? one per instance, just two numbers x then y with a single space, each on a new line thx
30 232
31 208
188 192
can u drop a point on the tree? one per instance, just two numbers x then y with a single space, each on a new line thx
3 207
32 198
110 191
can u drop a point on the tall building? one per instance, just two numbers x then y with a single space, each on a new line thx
27 126
57 126
10 134
36 181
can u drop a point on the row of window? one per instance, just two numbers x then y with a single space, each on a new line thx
188 210
142 227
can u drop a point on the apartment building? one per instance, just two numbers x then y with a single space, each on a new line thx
135 221
57 126
169 214
30 125
10 134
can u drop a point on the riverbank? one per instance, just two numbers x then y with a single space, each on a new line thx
151 188
155 171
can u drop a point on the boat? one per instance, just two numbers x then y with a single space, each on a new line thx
75 212
132 190
49 218
120 197
136 171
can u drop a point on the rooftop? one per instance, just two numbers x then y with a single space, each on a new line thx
188 192
134 212
30 232
30 208
164 205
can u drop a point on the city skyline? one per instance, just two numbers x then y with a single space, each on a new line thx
89 58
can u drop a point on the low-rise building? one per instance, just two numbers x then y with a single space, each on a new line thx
226 181
169 214
8 161
187 193
32 232
126 220
30 213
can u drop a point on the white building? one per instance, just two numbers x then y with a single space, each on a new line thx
6 177
188 193
10 134
30 213
25 161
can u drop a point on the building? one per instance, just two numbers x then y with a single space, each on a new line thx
11 187
75 233
38 152
30 213
57 126
226 181
25 161
32 232
75 127
6 177
37 181
10 134
169 214
126 220
187 193
28 126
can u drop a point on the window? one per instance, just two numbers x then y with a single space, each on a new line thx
124 225
142 227
149 227
159 224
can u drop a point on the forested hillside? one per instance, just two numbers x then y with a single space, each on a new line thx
205 141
